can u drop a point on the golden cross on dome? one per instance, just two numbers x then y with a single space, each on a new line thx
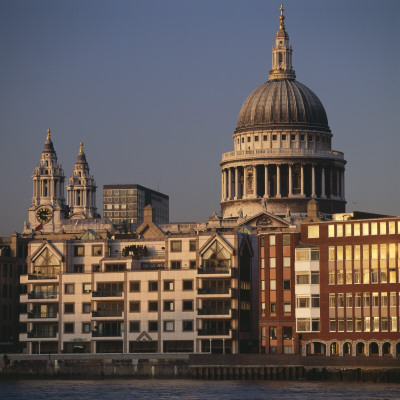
48 134
282 17
81 148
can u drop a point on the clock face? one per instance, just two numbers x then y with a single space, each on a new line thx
44 215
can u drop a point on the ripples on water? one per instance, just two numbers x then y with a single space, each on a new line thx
196 390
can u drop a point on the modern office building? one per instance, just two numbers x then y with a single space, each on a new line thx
125 204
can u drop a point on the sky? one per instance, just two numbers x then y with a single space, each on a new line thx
153 89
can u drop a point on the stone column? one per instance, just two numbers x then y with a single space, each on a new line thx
245 183
278 180
323 196
313 181
223 185
343 186
230 184
290 181
255 181
302 180
236 183
266 191
338 182
331 183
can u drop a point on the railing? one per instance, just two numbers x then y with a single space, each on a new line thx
107 333
42 314
43 295
111 293
213 311
213 291
213 270
213 332
150 254
42 276
38 335
107 313
283 153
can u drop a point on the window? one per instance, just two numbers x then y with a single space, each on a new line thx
78 268
287 332
262 263
283 137
263 308
365 228
187 285
87 288
175 265
272 262
286 239
384 324
153 326
265 138
153 286
256 138
85 308
134 306
339 230
315 324
168 326
69 327
192 245
97 250
168 286
332 325
374 228
393 324
382 228
303 325
192 264
286 284
332 303
272 284
302 279
286 262
134 326
176 245
340 300
356 228
358 324
69 288
340 322
248 139
272 240
366 300
262 241
187 305
168 305
273 137
187 326
303 302
315 300
384 299
314 277
134 286
287 308
86 327
273 308
153 306
79 251
293 137
349 300
273 332
69 308
262 285
347 229
331 230
313 231
392 227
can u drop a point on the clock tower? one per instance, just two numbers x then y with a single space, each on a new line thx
48 205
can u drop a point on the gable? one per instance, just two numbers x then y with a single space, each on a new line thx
47 254
89 235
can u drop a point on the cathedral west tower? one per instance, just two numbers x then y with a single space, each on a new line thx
282 154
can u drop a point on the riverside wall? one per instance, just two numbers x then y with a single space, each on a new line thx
199 366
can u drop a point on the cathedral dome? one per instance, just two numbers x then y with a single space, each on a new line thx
282 104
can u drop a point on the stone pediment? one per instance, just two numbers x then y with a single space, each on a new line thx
265 220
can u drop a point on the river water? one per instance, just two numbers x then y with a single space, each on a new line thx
137 389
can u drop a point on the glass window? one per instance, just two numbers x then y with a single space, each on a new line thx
286 239
272 240
86 288
357 299
286 284
216 256
69 288
187 285
331 230
86 308
168 286
286 262
176 245
313 231
69 308
134 286
331 253
302 279
153 326
315 300
86 328
392 227
187 325
332 302
79 251
340 300
302 302
365 227
134 326
287 307
303 325
348 229
272 262
169 305
356 228
314 277
153 286
272 308
187 305
272 284
134 306
374 228
382 228
339 230
192 245
69 327
153 306
97 250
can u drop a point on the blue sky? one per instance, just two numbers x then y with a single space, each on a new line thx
154 88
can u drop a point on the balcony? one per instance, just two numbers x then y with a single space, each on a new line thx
42 335
213 332
213 291
107 333
42 295
107 313
213 271
107 293
51 314
281 152
213 311
40 276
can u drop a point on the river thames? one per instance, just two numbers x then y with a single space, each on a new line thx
191 389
